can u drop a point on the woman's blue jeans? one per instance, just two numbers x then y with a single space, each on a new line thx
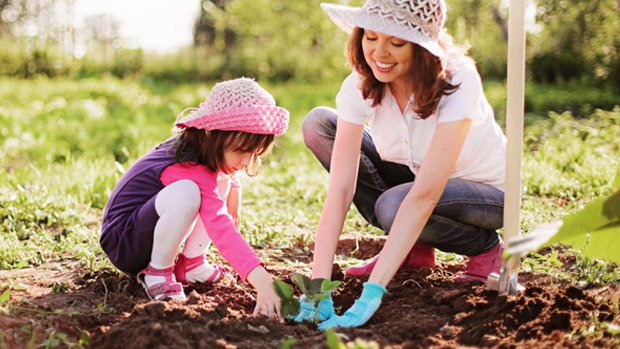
464 221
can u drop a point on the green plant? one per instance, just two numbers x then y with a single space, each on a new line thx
288 343
4 298
315 291
4 301
596 227
289 305
333 341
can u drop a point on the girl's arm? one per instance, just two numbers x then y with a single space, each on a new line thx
342 178
420 202
234 204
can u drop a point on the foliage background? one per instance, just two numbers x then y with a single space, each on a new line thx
281 40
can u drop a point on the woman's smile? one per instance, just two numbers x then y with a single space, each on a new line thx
384 67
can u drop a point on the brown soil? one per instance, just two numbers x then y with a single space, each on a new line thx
423 308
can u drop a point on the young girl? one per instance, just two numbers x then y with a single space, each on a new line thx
429 170
185 193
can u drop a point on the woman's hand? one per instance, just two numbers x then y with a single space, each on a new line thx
308 312
361 311
267 301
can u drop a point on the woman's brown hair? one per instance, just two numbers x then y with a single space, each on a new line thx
207 147
428 78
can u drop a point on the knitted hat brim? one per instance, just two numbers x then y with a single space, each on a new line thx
348 17
266 120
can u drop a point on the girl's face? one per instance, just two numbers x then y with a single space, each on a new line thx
235 160
389 57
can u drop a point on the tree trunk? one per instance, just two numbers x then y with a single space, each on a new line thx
501 22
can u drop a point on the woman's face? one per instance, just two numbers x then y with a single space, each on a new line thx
389 57
235 160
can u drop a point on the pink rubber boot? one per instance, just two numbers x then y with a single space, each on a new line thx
420 256
479 267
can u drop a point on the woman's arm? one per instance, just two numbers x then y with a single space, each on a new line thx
342 178
420 202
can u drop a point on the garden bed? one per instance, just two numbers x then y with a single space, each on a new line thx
60 303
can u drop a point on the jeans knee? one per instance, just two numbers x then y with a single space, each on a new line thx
316 123
385 211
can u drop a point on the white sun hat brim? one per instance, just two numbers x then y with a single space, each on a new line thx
348 17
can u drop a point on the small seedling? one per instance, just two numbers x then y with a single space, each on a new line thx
4 298
315 291
289 305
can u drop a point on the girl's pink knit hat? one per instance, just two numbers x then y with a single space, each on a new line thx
238 105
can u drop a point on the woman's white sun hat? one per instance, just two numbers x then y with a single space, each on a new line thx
418 21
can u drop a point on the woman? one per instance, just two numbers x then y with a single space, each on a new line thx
431 167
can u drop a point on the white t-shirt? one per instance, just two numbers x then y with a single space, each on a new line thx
405 138
226 182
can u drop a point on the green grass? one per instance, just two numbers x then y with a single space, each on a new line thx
64 144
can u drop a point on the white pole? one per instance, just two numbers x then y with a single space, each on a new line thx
514 133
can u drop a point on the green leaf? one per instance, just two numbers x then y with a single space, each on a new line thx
84 338
315 286
288 344
611 207
333 341
289 307
330 286
596 215
283 290
318 297
4 298
302 282
616 183
602 244
306 285
598 225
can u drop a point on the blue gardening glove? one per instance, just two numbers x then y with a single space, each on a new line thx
307 309
362 309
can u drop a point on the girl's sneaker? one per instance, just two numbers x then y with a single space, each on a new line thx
197 270
168 289
479 267
420 256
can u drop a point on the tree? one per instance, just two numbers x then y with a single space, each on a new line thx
207 28
579 38
101 33
482 25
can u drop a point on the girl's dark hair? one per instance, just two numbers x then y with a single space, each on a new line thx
428 78
207 148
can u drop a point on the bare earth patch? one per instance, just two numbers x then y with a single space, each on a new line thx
423 308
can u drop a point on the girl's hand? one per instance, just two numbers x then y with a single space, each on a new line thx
267 300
